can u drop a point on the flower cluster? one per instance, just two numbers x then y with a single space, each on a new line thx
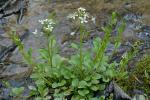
48 25
81 15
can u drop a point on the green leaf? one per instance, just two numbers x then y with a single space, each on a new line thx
97 76
83 84
66 73
75 46
102 87
114 18
43 53
105 79
83 92
102 98
55 85
75 60
57 60
17 91
67 92
56 91
97 44
95 87
35 76
75 82
40 82
89 84
122 27
62 83
102 68
30 52
76 97
45 92
88 78
110 73
95 81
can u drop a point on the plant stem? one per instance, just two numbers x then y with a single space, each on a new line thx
103 46
81 39
49 45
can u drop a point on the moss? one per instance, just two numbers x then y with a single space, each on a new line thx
142 73
139 78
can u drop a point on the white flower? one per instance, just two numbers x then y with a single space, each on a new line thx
48 24
41 21
32 87
80 15
72 33
93 19
81 9
73 16
35 32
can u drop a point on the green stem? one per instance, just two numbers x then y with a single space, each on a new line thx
102 48
81 39
49 45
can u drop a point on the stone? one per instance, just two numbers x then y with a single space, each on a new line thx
15 71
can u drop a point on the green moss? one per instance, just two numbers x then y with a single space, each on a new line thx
142 73
139 78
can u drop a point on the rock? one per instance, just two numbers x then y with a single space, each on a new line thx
15 71
9 7
140 97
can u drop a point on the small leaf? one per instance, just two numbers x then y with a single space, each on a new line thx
76 97
89 84
40 82
57 60
75 60
67 92
114 18
66 74
102 98
82 84
73 45
88 78
75 82
102 87
54 85
62 83
105 79
46 91
17 91
97 76
35 76
94 87
109 73
95 81
83 92
30 52
57 91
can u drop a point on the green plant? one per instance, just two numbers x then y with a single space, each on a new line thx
139 78
15 92
77 77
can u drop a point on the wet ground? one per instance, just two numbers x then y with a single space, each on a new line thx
135 12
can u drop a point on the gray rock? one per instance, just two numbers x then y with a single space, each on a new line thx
15 71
